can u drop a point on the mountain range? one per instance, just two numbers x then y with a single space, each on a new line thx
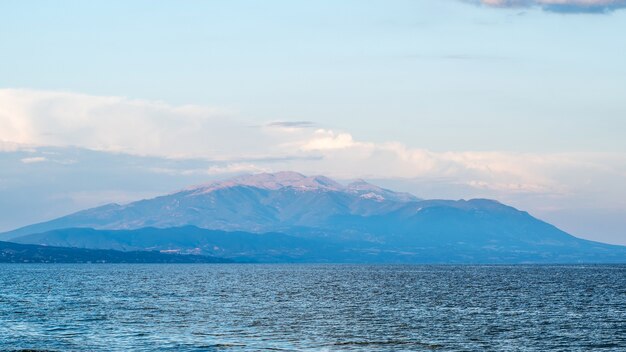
290 217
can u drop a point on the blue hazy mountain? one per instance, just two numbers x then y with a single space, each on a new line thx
291 217
28 253
283 202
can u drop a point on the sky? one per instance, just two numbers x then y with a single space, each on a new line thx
516 100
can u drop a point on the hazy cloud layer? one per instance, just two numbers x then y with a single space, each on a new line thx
92 146
32 119
291 124
563 6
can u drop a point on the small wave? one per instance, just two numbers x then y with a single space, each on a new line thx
432 346
226 345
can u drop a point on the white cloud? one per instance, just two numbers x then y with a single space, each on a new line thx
235 168
35 159
328 140
116 124
6 146
225 169
112 123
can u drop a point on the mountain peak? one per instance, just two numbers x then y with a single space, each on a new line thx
298 181
274 181
284 179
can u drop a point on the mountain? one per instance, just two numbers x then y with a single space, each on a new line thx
28 253
291 217
280 202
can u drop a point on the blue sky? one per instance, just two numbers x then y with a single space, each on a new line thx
521 101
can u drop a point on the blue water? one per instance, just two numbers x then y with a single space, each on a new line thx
85 307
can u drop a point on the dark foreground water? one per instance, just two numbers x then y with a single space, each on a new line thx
312 307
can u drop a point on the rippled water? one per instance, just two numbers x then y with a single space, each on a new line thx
312 307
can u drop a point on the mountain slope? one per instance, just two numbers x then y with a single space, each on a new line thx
259 203
320 220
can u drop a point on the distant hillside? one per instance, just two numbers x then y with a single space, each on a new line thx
268 247
279 202
24 253
291 217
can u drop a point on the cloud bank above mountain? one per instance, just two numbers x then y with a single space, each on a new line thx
562 6
146 128
33 119
96 149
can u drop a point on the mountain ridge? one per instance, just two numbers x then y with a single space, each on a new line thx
316 193
356 217
290 179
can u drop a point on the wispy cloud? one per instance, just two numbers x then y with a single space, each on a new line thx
32 160
291 124
561 6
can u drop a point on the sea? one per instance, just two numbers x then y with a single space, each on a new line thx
255 307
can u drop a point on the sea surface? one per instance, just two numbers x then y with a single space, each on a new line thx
229 307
